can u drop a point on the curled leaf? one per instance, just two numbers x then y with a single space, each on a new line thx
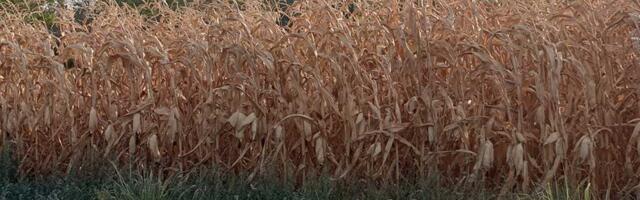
552 138
247 120
375 149
236 119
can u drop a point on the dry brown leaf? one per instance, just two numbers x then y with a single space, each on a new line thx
172 127
487 160
307 130
279 133
247 120
162 111
320 149
132 145
137 121
93 119
374 149
552 138
236 119
153 146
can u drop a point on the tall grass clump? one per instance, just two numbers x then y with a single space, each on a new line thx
516 95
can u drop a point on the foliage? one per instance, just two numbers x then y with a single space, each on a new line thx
515 95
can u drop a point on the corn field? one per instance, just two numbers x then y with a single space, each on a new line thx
515 94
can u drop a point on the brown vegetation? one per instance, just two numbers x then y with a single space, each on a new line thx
516 94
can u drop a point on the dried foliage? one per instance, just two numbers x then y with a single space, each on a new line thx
517 94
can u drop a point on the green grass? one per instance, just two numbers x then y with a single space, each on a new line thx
101 182
105 181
